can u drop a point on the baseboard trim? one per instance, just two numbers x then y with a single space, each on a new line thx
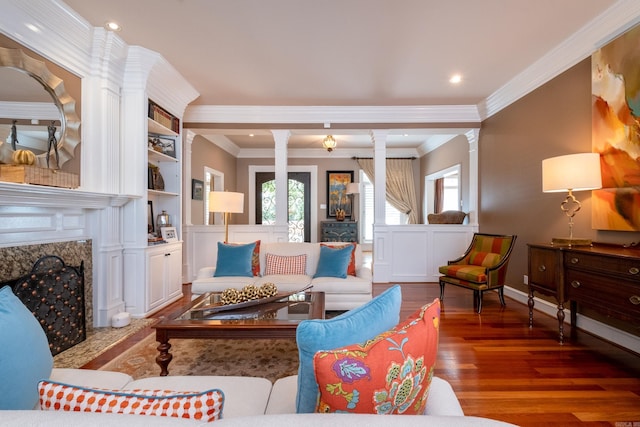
599 329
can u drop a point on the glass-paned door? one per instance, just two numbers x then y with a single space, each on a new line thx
299 205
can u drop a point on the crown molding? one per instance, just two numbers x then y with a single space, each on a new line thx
435 141
221 141
320 153
614 21
332 114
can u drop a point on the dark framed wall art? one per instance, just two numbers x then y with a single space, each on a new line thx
197 189
150 225
337 197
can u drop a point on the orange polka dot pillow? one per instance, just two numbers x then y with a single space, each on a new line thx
203 406
390 374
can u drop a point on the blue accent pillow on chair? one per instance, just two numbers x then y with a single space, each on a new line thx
25 357
358 325
333 262
234 260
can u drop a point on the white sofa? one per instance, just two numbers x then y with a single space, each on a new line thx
340 294
249 401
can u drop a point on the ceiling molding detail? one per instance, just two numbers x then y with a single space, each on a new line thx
436 141
332 114
614 21
221 141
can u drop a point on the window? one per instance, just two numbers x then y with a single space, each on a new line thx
451 193
213 181
392 216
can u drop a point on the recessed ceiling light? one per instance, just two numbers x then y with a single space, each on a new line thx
33 28
112 26
455 79
251 135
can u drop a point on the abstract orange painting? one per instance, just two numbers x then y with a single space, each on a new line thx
615 94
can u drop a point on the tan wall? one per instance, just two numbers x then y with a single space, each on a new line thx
551 121
450 154
204 153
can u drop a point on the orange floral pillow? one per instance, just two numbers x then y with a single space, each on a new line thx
390 374
351 268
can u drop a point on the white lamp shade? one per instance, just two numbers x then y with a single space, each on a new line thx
353 188
571 172
226 201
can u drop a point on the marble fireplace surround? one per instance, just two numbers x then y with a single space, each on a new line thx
17 261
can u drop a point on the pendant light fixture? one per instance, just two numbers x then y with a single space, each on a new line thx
329 143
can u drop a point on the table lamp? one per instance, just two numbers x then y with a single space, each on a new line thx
573 172
226 202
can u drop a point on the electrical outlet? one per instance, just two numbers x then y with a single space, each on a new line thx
526 279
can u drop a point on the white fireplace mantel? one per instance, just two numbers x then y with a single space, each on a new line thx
50 197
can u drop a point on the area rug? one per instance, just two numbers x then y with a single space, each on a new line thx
268 358
98 341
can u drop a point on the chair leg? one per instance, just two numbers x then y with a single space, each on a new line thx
441 291
479 298
501 295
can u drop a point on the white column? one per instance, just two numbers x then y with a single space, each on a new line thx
472 136
281 138
186 175
379 139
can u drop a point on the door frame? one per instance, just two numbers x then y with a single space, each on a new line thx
313 193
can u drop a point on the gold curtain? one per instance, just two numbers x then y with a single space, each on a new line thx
400 185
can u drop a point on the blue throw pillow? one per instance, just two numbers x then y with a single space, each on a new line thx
333 262
25 357
234 260
355 326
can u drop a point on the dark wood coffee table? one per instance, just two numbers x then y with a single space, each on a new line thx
271 320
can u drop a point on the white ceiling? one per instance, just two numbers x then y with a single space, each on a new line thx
344 52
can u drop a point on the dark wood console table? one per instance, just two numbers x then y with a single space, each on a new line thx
603 277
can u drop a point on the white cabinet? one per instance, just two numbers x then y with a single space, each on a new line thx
164 278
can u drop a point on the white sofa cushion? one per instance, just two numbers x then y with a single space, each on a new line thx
364 420
90 378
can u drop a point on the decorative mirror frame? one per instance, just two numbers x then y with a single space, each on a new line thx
70 128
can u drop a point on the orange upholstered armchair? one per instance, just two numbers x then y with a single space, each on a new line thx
483 267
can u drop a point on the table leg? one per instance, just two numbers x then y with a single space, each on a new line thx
561 321
164 357
530 303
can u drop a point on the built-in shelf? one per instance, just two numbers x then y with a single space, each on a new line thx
160 157
156 128
162 193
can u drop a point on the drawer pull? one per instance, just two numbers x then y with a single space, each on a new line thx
575 284
635 299
634 270
542 268
574 260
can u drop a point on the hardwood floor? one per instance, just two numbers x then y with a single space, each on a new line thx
503 370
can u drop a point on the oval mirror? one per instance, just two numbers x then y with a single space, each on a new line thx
36 112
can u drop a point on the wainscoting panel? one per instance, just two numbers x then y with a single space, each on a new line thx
413 253
201 242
